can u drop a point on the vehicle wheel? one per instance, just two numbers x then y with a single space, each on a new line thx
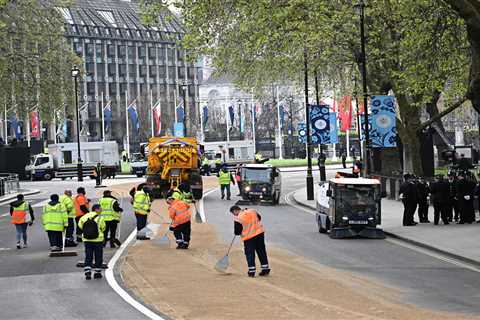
63 178
139 175
47 176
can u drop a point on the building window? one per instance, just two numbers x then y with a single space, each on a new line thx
90 88
153 71
171 73
161 53
101 88
112 90
77 47
122 50
123 88
180 55
143 71
161 72
108 16
100 70
89 49
99 50
181 72
171 55
141 52
90 69
152 53
122 70
111 50
111 70
131 52
132 70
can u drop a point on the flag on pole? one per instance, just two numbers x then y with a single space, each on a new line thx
231 113
107 114
34 124
205 116
282 115
157 113
180 111
345 113
132 111
16 126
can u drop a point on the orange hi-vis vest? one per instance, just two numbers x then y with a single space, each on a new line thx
251 225
179 212
21 214
80 200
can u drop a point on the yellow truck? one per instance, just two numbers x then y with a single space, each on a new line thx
171 161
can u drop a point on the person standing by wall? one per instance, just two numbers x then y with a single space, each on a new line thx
22 216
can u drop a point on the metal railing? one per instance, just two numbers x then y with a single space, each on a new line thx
9 183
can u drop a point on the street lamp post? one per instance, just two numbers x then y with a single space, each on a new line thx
321 158
360 9
355 93
75 74
309 138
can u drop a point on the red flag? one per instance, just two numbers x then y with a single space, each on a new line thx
34 124
157 117
345 113
361 108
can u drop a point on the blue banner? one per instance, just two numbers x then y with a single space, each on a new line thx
178 129
333 128
282 115
16 126
132 111
362 126
320 122
205 117
383 132
180 113
302 132
107 114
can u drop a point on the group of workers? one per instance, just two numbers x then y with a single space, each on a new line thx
452 198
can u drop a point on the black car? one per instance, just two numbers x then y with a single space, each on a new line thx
260 182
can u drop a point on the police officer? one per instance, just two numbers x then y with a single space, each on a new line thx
224 179
55 221
423 192
111 213
22 216
179 212
440 190
248 225
69 205
408 194
453 203
93 247
141 207
465 192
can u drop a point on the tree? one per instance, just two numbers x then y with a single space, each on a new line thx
35 60
415 50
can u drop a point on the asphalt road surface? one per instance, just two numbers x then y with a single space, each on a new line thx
423 280
35 286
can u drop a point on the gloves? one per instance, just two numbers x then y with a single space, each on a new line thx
171 228
466 197
30 223
401 196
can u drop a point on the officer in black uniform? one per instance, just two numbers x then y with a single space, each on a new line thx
440 190
408 194
465 192
423 192
453 203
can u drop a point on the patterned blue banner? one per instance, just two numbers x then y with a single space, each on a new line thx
178 129
320 122
383 131
333 128
302 132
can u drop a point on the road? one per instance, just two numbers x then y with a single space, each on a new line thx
35 286
422 279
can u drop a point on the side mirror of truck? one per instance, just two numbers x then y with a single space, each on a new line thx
329 193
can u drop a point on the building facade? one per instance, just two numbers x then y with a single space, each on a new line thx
125 61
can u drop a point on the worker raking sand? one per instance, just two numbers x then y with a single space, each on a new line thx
298 289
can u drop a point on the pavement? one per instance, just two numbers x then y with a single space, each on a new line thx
455 240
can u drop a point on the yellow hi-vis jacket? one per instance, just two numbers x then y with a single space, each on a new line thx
54 217
141 202
69 205
100 224
107 214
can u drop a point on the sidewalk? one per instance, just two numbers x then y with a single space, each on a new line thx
459 241
25 192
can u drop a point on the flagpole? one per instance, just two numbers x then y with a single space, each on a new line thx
348 144
175 105
55 126
28 128
253 127
128 129
6 124
279 127
103 117
151 112
227 115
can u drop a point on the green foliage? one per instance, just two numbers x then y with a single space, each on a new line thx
36 59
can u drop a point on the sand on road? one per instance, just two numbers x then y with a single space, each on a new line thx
183 284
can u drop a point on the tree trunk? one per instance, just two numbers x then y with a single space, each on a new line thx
469 10
407 130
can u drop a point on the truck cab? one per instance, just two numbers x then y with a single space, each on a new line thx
350 207
41 167
138 164
260 182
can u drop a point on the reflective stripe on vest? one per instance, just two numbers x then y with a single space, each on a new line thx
69 205
53 217
224 177
19 214
251 226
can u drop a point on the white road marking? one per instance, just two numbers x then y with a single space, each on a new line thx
41 204
5 214
291 203
201 205
118 289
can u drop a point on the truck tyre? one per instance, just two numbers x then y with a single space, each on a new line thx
139 175
47 176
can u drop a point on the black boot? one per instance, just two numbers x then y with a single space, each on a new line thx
264 272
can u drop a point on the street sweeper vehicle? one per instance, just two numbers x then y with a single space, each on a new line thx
350 207
172 161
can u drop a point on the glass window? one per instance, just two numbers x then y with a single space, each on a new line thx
122 70
132 70
123 89
141 52
170 53
112 91
153 71
78 48
100 70
111 70
122 51
90 88
101 88
90 68
111 50
89 49
161 53
143 71
161 72
108 16
131 52
181 72
171 73
99 50
42 160
256 175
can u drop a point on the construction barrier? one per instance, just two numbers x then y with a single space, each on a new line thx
9 183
